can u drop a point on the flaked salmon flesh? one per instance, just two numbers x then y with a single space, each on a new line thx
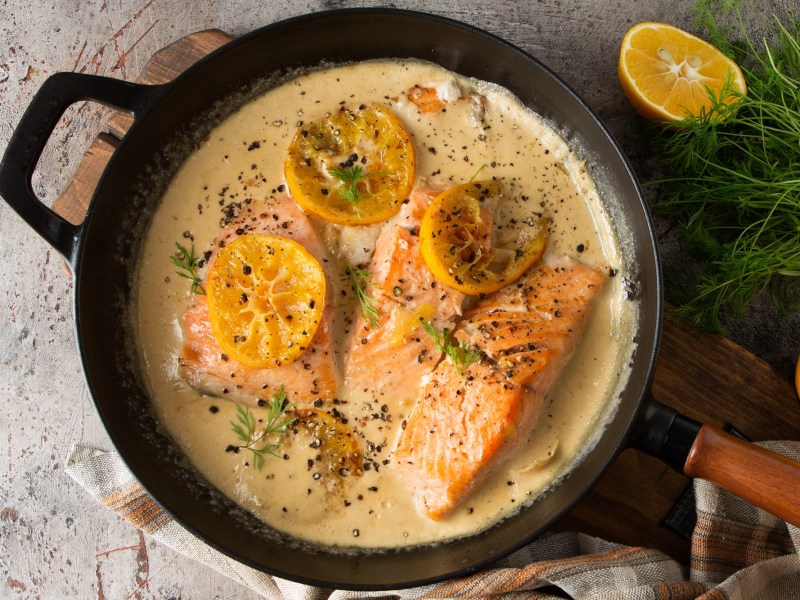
461 428
205 365
387 357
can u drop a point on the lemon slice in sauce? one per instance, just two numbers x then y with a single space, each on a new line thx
265 299
352 167
463 247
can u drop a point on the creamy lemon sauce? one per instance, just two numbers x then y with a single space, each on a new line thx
241 161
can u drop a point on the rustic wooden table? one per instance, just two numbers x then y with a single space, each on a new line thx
55 542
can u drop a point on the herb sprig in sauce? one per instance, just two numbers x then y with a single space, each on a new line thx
277 423
186 265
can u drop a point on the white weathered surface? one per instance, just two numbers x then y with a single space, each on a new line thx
55 541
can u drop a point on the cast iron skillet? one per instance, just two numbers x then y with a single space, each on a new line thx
102 254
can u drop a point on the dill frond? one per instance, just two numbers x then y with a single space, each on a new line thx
462 355
186 265
734 175
276 425
359 280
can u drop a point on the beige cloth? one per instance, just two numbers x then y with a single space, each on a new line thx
738 552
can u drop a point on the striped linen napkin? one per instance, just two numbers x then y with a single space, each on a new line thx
738 552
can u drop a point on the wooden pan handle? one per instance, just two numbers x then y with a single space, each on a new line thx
761 477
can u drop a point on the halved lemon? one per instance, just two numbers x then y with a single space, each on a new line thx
666 72
797 377
353 167
265 299
463 246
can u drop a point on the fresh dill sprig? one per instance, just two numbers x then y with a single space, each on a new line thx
734 177
186 264
360 279
462 355
276 426
350 178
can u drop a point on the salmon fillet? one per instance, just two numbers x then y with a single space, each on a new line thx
405 293
207 368
460 429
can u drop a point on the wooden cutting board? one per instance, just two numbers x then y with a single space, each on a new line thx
708 377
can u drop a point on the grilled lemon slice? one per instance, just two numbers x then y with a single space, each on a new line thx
353 167
464 248
265 299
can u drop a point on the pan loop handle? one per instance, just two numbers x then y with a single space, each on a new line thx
57 93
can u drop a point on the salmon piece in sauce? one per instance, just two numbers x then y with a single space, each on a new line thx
207 368
426 99
397 351
462 428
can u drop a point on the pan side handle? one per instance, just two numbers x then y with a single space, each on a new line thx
763 478
38 122
767 479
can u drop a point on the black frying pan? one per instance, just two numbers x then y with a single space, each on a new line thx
102 252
